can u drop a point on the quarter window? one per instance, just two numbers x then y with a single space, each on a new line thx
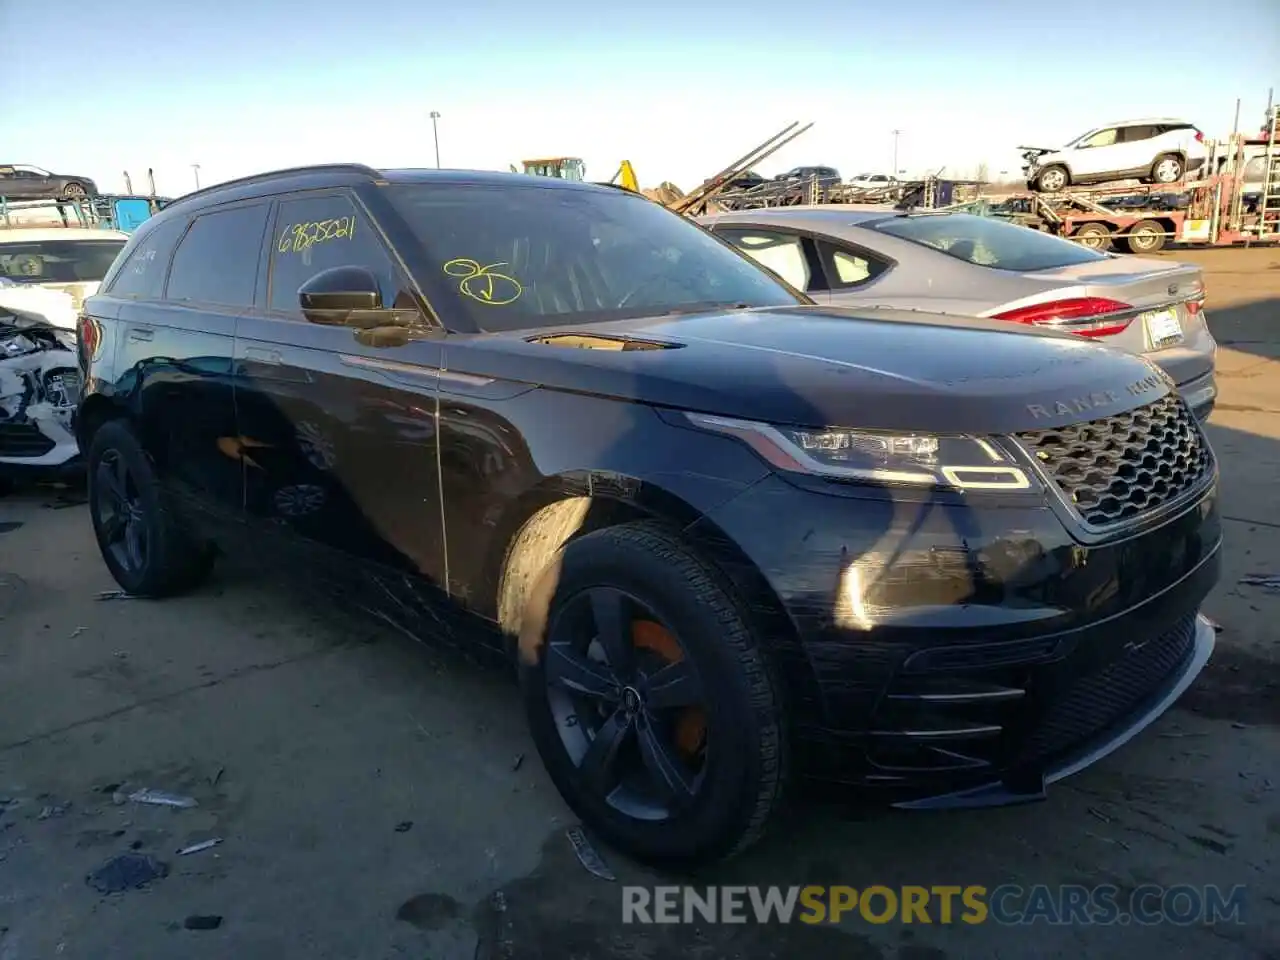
783 253
217 261
847 268
316 233
142 275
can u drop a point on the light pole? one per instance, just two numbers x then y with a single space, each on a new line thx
435 132
896 134
195 169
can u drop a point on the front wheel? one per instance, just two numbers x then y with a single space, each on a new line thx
649 698
1052 179
1167 169
146 552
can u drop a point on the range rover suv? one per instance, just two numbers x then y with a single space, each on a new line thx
727 537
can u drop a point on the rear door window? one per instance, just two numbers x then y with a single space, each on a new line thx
315 233
783 253
1138 133
987 242
142 274
217 261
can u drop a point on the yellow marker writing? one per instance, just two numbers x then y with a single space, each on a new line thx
484 283
297 237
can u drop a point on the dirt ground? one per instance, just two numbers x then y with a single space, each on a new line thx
376 799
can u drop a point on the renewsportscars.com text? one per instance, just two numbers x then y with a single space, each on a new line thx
1009 904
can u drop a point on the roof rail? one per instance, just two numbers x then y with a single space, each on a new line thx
356 168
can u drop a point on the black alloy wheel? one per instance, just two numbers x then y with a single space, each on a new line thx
627 702
145 550
650 697
118 514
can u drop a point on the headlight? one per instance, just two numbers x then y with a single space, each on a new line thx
958 462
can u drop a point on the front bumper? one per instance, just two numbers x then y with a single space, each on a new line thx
946 652
1201 394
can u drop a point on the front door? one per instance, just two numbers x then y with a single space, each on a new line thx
339 437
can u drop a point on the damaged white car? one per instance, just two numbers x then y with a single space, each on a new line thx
39 383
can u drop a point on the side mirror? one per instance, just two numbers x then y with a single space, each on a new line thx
331 296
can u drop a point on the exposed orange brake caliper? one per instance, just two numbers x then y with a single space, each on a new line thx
691 726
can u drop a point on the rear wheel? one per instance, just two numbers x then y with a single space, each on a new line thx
146 552
1145 236
1052 179
74 191
1094 236
1168 169
650 700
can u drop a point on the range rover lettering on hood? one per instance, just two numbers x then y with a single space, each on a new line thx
1091 401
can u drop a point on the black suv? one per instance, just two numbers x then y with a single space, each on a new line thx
728 537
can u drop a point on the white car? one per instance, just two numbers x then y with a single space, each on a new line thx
1153 150
873 181
70 259
39 384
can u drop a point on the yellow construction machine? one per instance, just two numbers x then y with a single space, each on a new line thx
572 168
698 201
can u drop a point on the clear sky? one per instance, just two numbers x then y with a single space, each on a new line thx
680 89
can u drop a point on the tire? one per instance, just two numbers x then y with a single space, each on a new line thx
1094 236
1052 179
1168 168
1145 236
146 552
74 190
744 751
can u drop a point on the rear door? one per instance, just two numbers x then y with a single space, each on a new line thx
19 184
1137 147
174 352
340 436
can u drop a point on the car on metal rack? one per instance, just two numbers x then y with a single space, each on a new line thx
964 264
1153 150
22 181
726 534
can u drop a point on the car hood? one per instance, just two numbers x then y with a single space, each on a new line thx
825 366
34 303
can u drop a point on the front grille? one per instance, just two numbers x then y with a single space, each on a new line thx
1117 468
23 440
1094 702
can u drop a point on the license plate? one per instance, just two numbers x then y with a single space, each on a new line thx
1163 327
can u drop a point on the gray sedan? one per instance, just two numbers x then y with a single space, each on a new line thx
959 263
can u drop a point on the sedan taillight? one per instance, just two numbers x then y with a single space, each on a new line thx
1084 316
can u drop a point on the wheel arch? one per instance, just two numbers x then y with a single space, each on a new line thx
93 412
564 507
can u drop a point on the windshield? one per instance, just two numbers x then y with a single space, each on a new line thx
988 242
521 257
58 261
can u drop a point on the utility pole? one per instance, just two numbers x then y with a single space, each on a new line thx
896 134
435 132
195 169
